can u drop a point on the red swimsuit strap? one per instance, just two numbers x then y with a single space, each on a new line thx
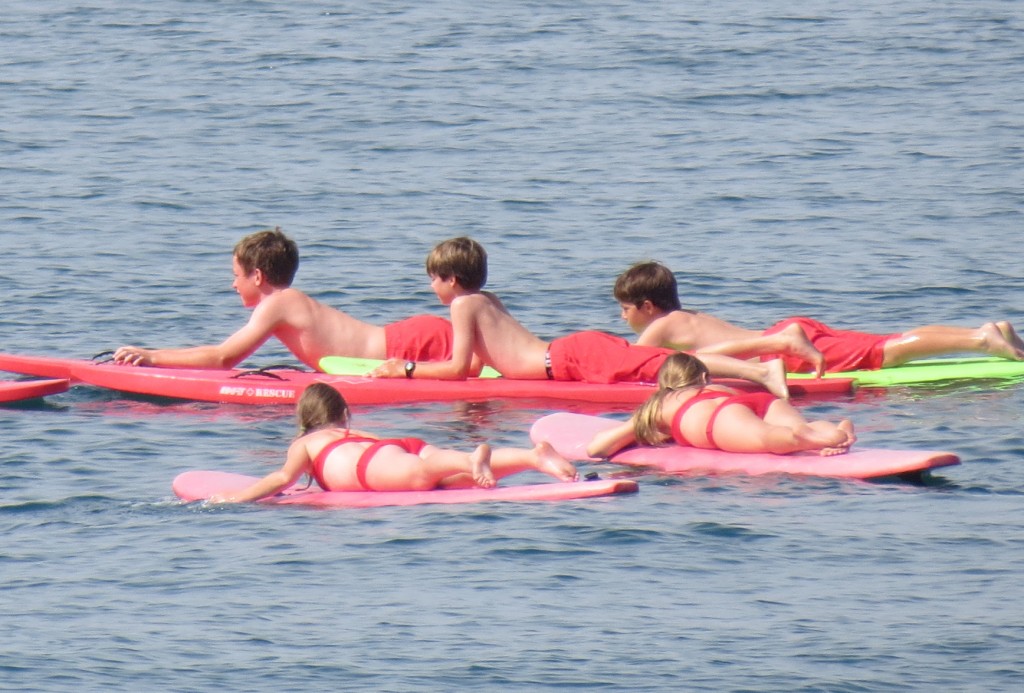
677 419
410 445
714 416
321 458
364 462
757 402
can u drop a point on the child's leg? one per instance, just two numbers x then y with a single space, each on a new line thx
771 374
737 429
508 461
790 340
842 431
995 339
839 436
782 413
394 469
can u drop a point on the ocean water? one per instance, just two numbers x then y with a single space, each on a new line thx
860 163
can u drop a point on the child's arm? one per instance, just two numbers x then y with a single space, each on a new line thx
463 363
788 344
295 464
678 334
664 332
746 348
228 354
611 441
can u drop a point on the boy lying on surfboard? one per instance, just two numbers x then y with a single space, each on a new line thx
483 329
339 458
690 411
648 295
264 265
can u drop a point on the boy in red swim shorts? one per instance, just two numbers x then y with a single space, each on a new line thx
484 329
648 295
264 265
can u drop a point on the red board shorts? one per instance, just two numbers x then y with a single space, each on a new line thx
599 357
844 350
419 338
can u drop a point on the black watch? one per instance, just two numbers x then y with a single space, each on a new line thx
410 366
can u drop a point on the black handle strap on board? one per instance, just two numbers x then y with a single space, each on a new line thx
267 371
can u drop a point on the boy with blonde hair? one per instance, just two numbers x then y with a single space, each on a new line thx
264 265
648 295
483 328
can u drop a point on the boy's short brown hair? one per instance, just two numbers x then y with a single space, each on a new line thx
648 281
462 258
272 253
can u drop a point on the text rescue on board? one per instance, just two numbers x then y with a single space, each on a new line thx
256 392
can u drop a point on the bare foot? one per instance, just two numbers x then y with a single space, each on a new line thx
802 348
550 462
775 378
481 460
1010 335
994 342
845 427
826 438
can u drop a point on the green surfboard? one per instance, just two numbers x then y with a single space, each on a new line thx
348 365
930 371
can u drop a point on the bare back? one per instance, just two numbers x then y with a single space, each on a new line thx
481 320
688 331
312 330
339 468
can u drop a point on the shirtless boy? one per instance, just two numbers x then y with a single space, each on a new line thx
264 265
482 327
648 295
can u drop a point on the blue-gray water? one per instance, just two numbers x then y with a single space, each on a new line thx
857 162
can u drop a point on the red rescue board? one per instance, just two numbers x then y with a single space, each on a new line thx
283 386
18 390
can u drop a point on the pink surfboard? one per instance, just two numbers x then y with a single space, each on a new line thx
18 390
570 434
283 386
200 485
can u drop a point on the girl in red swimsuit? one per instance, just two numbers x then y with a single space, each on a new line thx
342 459
688 410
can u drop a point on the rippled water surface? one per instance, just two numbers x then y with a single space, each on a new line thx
858 163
